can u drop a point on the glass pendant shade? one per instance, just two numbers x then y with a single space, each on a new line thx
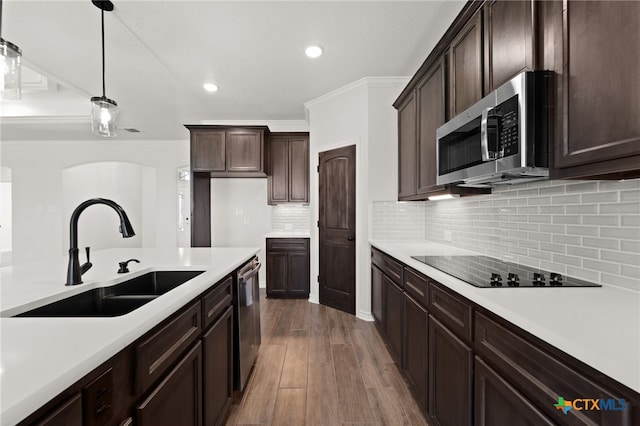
104 116
10 70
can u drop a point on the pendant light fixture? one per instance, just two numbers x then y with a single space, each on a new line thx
10 68
104 111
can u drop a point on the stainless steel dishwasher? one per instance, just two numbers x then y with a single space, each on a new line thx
246 305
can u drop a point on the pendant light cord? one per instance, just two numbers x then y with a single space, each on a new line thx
0 17
103 85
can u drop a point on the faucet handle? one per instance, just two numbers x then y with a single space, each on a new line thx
87 265
124 266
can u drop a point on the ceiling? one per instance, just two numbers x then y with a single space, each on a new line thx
159 54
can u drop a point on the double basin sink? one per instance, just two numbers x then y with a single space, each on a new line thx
116 300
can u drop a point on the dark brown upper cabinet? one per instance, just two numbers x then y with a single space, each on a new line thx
431 115
508 41
419 116
598 108
288 168
407 148
226 152
465 66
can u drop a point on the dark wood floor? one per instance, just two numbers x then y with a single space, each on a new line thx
321 366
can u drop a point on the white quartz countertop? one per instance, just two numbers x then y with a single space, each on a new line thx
288 234
599 326
40 357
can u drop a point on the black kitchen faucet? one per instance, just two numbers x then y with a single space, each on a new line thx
74 270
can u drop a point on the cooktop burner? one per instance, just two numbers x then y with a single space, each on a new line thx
484 271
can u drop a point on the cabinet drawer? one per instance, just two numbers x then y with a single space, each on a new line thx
287 244
177 400
216 301
156 353
450 310
391 267
416 285
543 378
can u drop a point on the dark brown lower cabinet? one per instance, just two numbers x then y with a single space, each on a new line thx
217 346
450 377
498 403
415 348
376 294
68 413
465 365
393 317
177 399
288 267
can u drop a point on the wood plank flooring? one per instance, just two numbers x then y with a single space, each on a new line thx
321 366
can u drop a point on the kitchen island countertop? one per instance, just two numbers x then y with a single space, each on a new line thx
40 357
599 326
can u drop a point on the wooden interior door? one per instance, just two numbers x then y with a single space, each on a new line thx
337 212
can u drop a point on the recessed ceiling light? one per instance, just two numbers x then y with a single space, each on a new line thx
210 87
313 51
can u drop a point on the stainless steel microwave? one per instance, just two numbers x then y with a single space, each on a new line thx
502 139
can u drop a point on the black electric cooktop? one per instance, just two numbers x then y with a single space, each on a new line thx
484 271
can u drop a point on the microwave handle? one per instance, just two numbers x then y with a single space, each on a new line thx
484 137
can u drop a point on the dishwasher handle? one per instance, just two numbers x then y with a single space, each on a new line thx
244 275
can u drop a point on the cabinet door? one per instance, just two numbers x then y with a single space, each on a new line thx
278 170
407 161
68 413
298 274
244 151
450 380
177 400
393 318
600 80
415 348
217 346
299 170
431 100
508 41
376 295
276 274
465 67
499 403
208 150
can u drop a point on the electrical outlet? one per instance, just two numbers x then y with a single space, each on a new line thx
246 220
448 236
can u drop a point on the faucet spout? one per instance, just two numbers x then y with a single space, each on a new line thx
74 270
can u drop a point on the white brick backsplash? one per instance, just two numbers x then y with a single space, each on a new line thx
631 246
602 197
399 221
290 217
587 229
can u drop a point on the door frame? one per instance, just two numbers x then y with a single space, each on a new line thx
363 292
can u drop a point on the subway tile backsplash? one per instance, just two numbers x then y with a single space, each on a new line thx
398 220
290 217
587 229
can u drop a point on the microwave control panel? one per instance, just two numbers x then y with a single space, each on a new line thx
508 131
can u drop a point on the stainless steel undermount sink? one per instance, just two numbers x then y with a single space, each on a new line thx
116 300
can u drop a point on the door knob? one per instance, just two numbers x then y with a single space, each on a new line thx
351 238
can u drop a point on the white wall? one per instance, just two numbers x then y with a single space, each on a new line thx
40 221
359 114
240 216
